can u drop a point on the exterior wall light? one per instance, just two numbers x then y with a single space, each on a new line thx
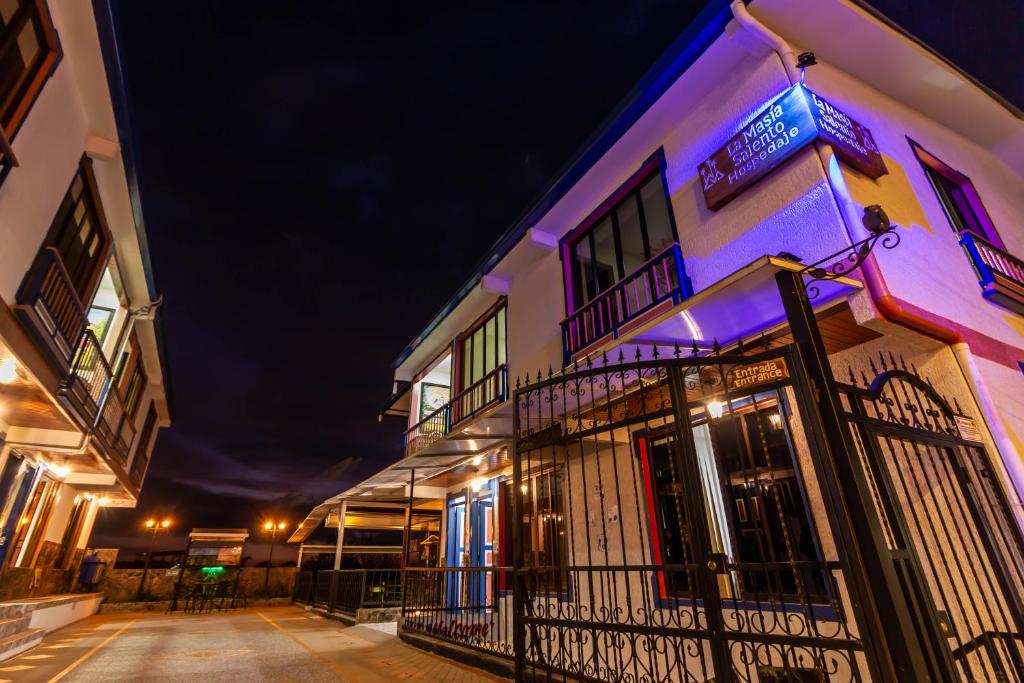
103 502
61 471
477 484
715 409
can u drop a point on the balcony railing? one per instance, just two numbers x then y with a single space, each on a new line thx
48 302
90 388
660 279
349 590
1001 275
490 390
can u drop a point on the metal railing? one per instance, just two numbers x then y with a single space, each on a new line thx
490 390
91 388
659 279
56 311
463 605
349 590
992 264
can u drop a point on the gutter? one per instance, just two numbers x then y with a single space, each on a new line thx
890 307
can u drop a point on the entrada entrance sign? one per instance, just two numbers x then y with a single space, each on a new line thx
796 118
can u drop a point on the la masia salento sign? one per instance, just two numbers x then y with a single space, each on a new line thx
796 118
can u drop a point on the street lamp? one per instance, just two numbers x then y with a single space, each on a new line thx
273 528
152 526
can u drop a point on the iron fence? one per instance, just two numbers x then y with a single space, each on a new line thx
469 606
349 590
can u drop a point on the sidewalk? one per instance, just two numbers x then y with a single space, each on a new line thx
257 644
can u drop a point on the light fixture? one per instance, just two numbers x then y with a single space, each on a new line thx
715 409
8 370
524 488
477 484
282 525
477 460
166 523
268 525
103 502
775 420
61 471
150 523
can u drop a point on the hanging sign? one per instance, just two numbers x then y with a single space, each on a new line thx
756 374
796 118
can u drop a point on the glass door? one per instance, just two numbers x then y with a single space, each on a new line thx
481 553
16 483
455 547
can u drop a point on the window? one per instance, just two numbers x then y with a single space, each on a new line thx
79 233
130 375
542 530
142 449
69 542
28 51
628 230
482 349
958 197
756 512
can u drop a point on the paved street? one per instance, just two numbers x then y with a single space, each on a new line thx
272 644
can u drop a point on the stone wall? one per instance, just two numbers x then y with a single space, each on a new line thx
43 579
122 585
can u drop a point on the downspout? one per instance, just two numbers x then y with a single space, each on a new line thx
888 305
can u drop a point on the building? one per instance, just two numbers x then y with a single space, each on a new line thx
83 385
740 397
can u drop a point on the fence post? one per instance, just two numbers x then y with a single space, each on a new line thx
898 648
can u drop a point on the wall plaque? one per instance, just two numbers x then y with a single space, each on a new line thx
796 118
756 374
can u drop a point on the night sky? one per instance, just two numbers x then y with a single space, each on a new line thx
318 178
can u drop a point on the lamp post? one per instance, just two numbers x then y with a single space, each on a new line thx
273 528
152 526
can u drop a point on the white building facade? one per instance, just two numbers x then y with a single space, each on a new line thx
739 398
82 381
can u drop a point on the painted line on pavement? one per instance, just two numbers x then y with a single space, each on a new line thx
91 652
331 665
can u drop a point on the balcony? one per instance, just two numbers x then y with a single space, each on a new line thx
50 308
1000 274
489 391
626 303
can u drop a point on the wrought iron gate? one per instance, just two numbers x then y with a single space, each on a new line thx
945 516
669 525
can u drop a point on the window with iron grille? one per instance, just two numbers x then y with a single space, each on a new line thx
28 52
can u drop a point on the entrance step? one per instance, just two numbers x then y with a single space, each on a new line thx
14 625
17 643
12 609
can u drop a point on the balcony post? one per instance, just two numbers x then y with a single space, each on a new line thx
340 545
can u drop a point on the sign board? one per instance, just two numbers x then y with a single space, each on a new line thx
756 374
796 118
967 428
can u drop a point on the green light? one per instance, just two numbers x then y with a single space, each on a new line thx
213 570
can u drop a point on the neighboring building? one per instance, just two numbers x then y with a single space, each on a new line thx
645 457
83 389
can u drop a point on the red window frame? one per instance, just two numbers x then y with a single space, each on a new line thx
982 225
655 164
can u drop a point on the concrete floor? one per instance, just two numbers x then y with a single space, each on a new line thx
259 644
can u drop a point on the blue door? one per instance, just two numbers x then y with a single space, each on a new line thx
455 549
481 552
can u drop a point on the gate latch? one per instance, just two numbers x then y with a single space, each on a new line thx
717 563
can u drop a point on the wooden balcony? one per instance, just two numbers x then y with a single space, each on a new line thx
1000 274
625 303
489 391
50 309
